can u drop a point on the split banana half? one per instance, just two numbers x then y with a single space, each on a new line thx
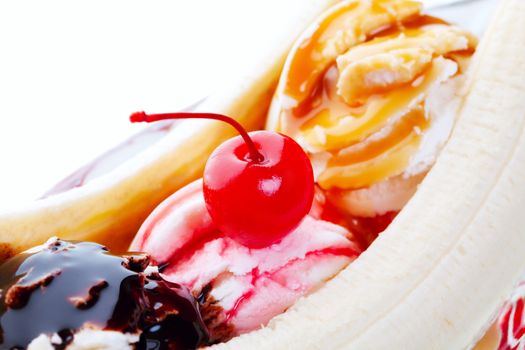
434 280
110 209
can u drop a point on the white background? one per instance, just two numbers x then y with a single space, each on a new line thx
71 72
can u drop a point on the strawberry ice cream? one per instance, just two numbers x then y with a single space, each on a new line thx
240 289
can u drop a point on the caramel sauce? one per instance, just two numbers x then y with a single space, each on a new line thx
364 174
308 64
462 58
412 23
312 58
308 78
374 148
373 139
345 130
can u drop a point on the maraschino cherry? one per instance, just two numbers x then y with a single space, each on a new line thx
257 186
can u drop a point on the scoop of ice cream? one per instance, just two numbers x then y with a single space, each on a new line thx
371 93
240 289
61 287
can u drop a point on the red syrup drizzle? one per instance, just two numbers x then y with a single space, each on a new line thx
186 252
256 275
242 299
190 191
366 230
512 326
189 250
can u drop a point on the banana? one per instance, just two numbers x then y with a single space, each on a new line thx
110 209
436 277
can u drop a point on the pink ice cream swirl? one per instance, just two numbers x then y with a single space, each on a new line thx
240 289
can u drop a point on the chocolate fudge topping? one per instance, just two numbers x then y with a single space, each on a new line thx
63 286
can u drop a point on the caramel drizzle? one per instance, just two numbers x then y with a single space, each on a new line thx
357 160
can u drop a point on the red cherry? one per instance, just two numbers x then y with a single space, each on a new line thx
258 202
258 186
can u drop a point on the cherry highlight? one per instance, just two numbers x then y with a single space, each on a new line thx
255 155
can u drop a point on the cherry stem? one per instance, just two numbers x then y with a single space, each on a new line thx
255 155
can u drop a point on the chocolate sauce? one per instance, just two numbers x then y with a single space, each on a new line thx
63 286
